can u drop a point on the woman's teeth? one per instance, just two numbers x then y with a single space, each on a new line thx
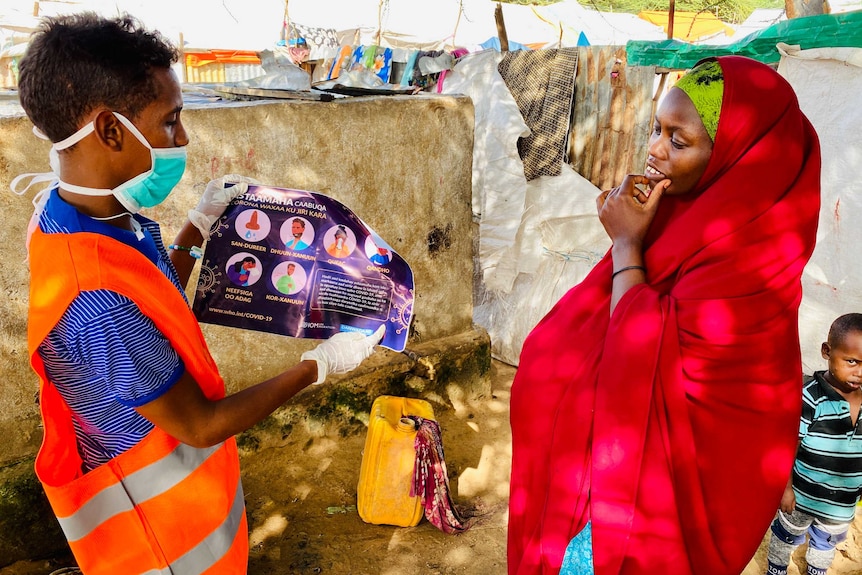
653 172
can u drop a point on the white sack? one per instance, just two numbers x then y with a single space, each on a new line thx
560 240
499 184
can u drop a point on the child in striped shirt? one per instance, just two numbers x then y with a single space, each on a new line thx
823 491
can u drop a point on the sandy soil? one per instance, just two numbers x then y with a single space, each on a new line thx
303 503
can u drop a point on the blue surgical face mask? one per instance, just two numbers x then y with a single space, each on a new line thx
144 190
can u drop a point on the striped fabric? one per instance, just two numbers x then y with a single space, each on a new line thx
105 356
827 475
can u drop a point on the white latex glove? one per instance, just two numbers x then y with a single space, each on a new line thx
342 352
214 200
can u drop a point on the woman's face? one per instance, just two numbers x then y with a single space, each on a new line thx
679 147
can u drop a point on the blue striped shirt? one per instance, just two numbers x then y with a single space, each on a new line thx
105 356
827 475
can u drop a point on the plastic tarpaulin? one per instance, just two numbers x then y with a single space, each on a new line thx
499 184
688 26
828 83
821 31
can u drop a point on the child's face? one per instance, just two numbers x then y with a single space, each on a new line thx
845 362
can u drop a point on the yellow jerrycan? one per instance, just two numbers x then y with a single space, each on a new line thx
383 494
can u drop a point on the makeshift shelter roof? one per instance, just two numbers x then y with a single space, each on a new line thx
603 28
689 26
842 30
220 24
759 19
447 23
256 25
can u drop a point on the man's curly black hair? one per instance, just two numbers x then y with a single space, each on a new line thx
79 62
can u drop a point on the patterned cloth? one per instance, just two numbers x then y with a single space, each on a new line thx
430 479
578 559
322 42
543 84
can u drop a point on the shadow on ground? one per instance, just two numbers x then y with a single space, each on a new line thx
301 501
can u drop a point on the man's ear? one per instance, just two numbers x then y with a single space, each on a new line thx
825 350
109 130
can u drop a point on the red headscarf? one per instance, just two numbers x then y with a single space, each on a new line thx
671 425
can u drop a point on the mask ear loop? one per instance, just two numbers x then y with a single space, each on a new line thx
50 179
39 200
133 129
71 140
136 225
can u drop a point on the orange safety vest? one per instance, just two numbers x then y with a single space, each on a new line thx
162 507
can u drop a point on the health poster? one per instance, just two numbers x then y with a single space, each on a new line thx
301 264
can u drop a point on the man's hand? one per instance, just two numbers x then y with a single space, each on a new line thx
215 199
342 352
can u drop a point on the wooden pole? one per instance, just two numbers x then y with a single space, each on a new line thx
379 21
501 28
663 80
285 25
185 68
670 18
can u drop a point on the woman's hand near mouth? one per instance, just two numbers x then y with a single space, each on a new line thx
627 211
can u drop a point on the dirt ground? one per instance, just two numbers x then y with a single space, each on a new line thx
302 503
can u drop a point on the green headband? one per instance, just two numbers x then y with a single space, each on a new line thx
704 85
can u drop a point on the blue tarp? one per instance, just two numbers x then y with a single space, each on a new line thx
494 43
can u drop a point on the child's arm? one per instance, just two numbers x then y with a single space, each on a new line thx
788 498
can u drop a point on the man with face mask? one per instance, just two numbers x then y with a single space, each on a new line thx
139 459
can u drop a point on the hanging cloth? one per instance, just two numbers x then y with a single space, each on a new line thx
430 479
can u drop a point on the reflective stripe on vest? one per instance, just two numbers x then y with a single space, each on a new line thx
162 507
217 544
137 488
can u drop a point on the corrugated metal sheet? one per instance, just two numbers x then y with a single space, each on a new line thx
220 73
612 115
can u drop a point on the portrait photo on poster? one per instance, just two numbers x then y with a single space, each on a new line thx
301 264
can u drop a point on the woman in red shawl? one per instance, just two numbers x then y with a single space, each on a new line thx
655 408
